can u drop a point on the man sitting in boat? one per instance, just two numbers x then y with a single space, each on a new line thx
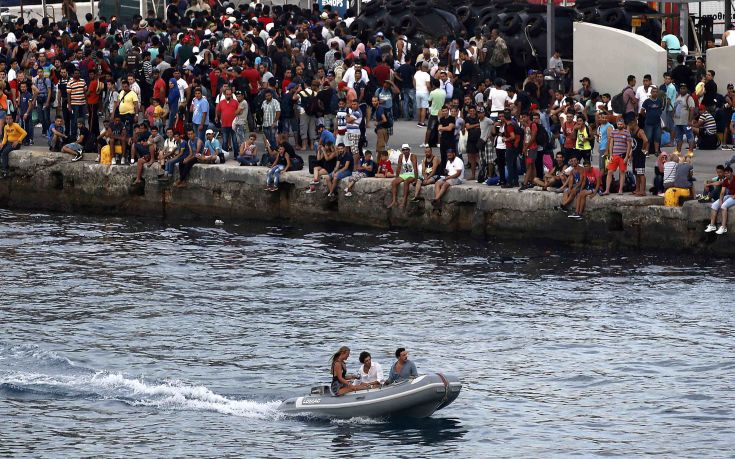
341 381
371 373
403 369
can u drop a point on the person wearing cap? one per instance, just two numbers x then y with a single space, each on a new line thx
407 173
453 174
212 149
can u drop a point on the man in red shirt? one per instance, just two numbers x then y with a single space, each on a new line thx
94 89
382 71
252 75
226 112
159 87
530 149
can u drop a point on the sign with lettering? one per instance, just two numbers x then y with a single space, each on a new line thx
337 6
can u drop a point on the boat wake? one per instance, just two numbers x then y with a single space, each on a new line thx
29 372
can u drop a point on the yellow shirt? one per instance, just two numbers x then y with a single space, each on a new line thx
158 113
127 103
14 133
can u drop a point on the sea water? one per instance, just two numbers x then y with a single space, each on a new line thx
124 337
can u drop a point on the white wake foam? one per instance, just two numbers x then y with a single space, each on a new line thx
164 395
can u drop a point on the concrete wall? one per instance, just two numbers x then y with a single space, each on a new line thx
42 181
722 61
607 56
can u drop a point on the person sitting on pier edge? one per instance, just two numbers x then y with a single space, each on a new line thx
343 169
454 175
722 204
13 136
429 172
370 373
196 150
592 178
341 380
407 174
574 183
403 369
554 177
76 149
281 163
713 186
365 169
326 160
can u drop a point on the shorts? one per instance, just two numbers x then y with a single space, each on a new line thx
639 163
74 146
728 202
340 139
681 131
422 100
407 175
532 154
530 161
584 155
452 182
340 175
352 140
617 162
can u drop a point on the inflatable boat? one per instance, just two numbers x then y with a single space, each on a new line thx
416 398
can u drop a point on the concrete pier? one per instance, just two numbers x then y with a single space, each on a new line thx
47 181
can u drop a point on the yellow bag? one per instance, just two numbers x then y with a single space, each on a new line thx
105 156
672 195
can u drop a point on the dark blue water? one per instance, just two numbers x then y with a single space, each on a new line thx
127 338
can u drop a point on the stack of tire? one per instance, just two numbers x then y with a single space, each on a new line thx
522 25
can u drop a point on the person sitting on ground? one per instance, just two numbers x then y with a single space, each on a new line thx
281 163
326 160
453 175
403 369
196 148
366 168
76 149
248 154
658 178
429 171
341 380
371 373
725 200
592 178
407 174
213 148
343 169
713 186
13 136
56 134
555 177
385 167
573 183
119 137
683 185
705 129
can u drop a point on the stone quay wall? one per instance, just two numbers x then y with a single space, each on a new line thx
44 181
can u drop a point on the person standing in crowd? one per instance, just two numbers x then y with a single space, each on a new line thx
227 109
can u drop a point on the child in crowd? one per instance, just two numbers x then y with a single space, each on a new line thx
713 186
385 168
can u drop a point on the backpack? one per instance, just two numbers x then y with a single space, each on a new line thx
618 103
542 136
297 163
309 102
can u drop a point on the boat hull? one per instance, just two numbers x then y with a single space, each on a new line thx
418 398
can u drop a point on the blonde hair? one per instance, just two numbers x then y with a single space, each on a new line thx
336 355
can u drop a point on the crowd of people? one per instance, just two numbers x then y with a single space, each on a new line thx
203 84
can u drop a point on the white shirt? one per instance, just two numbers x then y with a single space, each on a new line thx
375 373
642 94
422 82
182 84
454 166
349 77
498 99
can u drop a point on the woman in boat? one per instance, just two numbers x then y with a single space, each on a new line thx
341 381
371 373
403 369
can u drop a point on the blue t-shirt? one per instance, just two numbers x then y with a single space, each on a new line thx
326 137
51 128
653 108
211 147
201 106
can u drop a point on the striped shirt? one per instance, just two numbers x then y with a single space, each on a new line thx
76 90
620 139
708 123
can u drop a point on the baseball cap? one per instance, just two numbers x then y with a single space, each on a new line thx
209 131
405 146
290 86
